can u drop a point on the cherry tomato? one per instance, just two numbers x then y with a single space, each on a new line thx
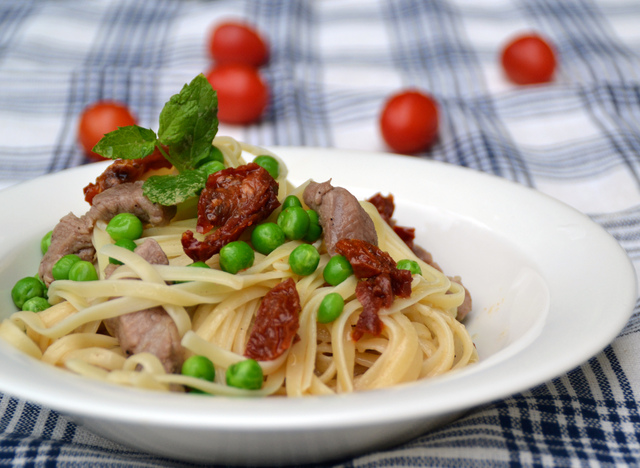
234 42
242 94
409 122
98 119
529 59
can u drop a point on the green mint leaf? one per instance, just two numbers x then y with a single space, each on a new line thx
188 123
170 190
130 142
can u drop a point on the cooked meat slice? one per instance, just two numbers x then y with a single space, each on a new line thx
122 171
467 304
425 256
150 330
128 198
151 251
340 213
72 235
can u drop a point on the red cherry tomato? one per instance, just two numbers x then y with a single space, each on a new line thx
409 122
242 95
98 119
529 59
238 43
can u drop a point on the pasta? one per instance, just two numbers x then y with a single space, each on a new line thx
214 311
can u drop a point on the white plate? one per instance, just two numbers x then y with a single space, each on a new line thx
550 288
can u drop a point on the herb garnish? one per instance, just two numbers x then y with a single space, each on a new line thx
188 124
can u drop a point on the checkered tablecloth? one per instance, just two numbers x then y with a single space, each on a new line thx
333 63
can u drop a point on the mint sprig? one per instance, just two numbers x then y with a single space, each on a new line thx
131 142
188 124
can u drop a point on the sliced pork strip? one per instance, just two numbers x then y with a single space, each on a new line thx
151 251
340 214
467 304
129 198
425 256
72 235
150 330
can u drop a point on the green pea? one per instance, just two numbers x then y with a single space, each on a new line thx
410 265
215 154
337 270
211 154
245 374
45 242
127 244
304 259
60 270
330 308
46 289
291 200
83 271
294 221
315 230
36 304
313 234
313 216
25 289
199 367
267 237
124 226
211 167
270 163
236 256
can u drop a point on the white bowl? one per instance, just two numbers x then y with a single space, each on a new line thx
550 287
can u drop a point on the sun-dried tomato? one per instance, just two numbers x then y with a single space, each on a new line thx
374 294
407 234
382 281
276 323
124 170
386 206
368 260
233 200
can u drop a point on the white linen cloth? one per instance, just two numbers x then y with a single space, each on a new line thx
333 64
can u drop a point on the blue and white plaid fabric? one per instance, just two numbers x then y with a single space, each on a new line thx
333 63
